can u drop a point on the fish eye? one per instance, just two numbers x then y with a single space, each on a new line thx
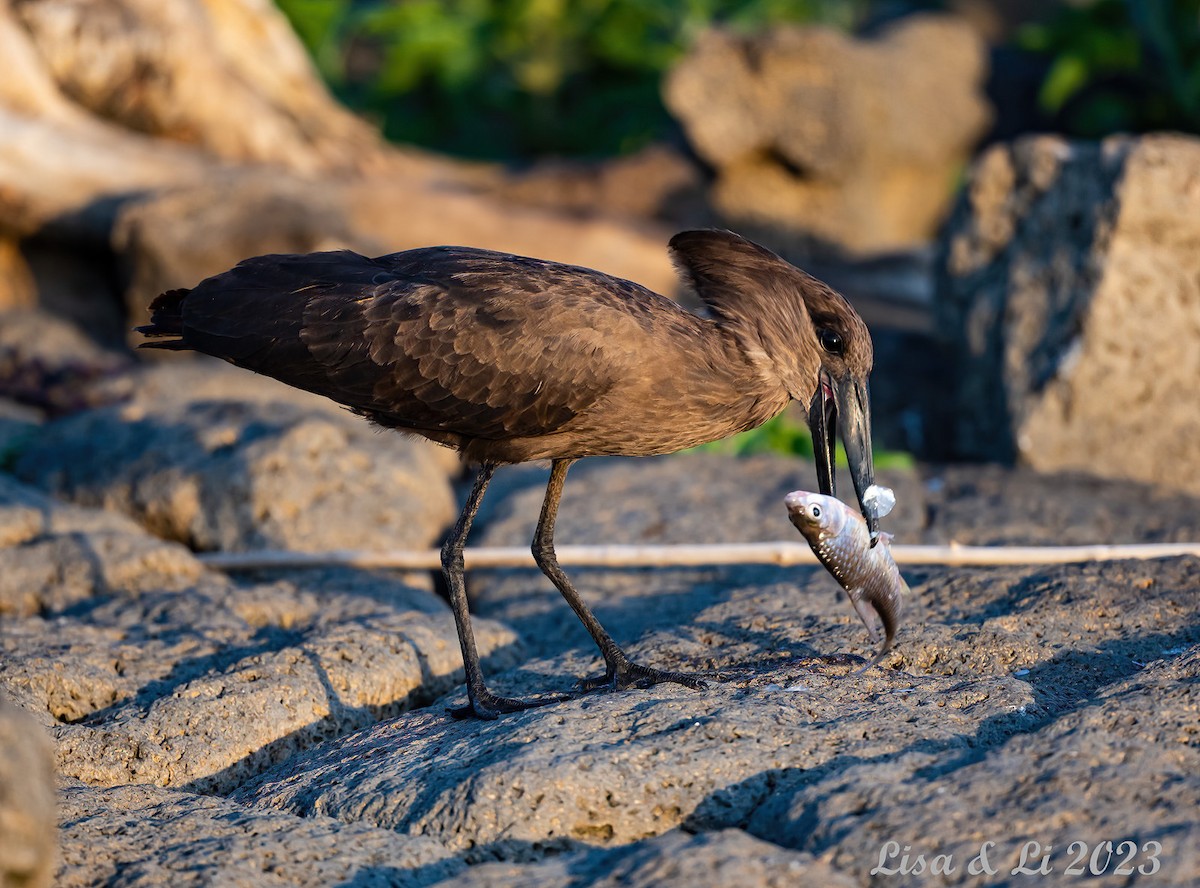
816 511
831 341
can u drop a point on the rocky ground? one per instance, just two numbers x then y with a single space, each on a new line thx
292 728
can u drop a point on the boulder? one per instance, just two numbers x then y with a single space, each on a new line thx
27 815
710 860
230 77
49 364
227 472
657 182
852 143
704 498
1085 780
54 556
177 237
145 836
611 769
997 671
146 667
788 743
1007 687
1069 304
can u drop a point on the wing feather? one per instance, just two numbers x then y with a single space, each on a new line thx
445 339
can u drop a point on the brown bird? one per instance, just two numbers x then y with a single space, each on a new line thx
510 359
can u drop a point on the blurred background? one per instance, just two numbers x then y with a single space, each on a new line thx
523 79
1007 191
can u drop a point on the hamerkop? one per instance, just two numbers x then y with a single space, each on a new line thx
510 359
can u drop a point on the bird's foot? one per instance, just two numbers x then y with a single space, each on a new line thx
488 706
624 673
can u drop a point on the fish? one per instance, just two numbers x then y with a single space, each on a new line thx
841 541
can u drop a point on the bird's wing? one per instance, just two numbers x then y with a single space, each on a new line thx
449 339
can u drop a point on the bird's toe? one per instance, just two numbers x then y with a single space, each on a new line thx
627 674
489 706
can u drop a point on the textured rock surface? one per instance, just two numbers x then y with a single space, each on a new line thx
227 472
701 498
1051 704
854 143
615 768
1034 673
145 667
710 860
48 365
146 836
27 816
1134 742
1070 304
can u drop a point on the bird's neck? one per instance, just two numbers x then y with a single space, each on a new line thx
742 378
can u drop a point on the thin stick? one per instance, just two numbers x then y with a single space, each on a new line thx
783 554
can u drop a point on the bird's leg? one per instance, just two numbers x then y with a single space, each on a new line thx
620 672
483 703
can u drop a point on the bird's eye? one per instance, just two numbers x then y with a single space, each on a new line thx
816 511
831 341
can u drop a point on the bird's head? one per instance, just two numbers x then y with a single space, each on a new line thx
817 346
840 401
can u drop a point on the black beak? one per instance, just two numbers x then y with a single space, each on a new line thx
844 406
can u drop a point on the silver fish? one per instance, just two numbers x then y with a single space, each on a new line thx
840 539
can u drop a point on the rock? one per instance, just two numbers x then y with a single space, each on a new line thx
55 556
1083 781
717 859
284 691
853 143
1070 305
234 474
146 836
444 212
146 667
177 237
1048 703
994 670
18 424
48 364
17 287
198 73
995 506
611 769
792 744
695 498
703 498
27 816
657 182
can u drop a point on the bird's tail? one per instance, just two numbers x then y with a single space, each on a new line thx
166 320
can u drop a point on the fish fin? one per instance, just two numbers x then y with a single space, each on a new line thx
865 613
888 610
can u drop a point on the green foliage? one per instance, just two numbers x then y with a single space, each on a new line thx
518 78
790 437
1121 65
